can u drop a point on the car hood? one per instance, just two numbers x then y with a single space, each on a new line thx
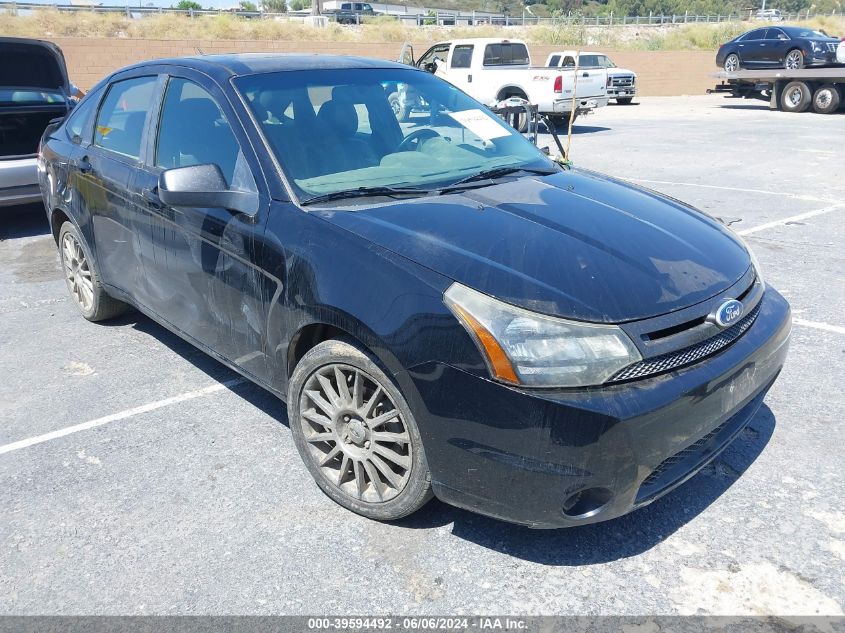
575 244
32 65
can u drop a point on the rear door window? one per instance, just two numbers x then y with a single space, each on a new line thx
554 61
759 34
505 54
462 56
120 121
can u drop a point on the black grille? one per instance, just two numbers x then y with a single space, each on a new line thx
831 47
689 451
623 81
688 355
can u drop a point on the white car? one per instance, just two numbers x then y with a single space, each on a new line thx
493 70
621 83
840 52
770 15
34 90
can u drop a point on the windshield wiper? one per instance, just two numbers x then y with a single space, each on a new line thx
361 192
490 174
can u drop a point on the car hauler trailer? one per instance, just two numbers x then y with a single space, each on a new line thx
822 89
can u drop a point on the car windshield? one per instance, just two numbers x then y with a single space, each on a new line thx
30 96
804 33
340 130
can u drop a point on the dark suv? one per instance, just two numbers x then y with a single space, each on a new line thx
445 310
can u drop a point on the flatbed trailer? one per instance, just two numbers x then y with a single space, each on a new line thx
822 89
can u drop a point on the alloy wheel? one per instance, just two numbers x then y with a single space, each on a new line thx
77 272
355 433
793 60
732 63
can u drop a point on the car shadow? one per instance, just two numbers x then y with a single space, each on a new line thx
616 539
254 394
620 538
27 220
744 106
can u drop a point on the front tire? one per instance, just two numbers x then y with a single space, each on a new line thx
356 434
826 99
624 100
83 278
794 60
403 113
796 97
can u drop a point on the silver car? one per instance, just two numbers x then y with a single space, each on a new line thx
34 90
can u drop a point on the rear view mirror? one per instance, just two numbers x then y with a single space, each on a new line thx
203 186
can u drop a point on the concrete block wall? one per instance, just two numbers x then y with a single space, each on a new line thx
661 73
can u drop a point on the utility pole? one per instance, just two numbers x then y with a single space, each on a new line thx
316 7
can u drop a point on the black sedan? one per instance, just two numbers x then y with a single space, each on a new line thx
445 310
789 47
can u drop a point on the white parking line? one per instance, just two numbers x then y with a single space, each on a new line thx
793 218
122 415
796 196
827 327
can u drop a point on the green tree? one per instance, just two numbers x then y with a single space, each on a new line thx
275 6
246 5
187 5
298 5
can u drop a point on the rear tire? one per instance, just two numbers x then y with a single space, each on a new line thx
83 278
337 394
826 99
732 64
796 97
624 100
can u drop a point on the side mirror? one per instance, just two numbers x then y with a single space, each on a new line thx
431 67
203 186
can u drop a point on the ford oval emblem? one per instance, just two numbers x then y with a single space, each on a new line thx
728 313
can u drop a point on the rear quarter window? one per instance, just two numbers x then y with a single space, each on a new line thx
79 123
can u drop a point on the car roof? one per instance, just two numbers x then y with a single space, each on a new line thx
254 63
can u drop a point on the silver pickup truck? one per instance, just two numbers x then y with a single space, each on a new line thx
34 89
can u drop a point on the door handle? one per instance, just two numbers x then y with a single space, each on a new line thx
85 166
586 74
152 198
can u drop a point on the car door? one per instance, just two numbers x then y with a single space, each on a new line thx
204 274
752 48
460 66
105 170
778 45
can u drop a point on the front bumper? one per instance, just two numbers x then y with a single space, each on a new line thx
19 182
821 58
519 455
619 91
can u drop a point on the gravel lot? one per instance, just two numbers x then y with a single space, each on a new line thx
199 504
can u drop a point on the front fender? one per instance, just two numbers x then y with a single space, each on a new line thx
332 277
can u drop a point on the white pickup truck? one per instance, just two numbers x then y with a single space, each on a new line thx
492 70
621 83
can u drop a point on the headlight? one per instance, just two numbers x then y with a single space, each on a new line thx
818 47
535 350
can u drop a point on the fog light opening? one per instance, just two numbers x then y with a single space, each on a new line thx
586 503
